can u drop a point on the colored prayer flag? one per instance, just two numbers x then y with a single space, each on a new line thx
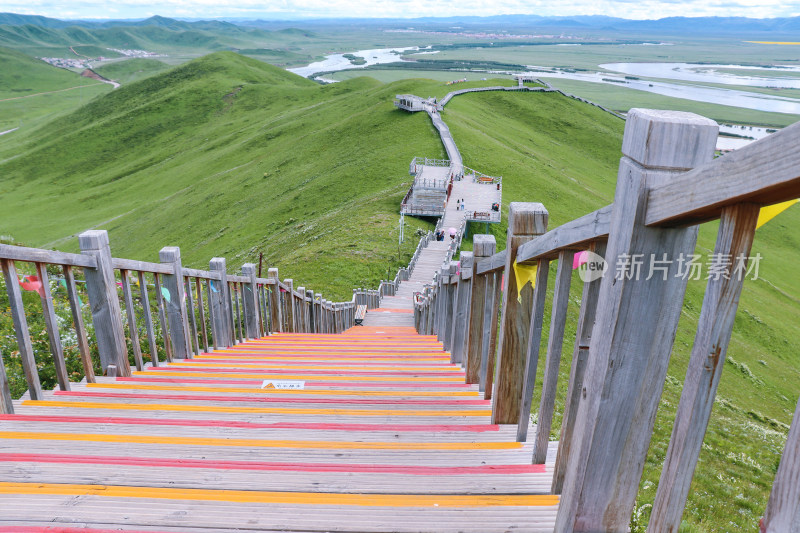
579 259
33 284
165 294
213 287
524 274
771 211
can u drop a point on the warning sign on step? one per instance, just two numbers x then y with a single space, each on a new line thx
283 384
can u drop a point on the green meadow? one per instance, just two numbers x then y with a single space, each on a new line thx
228 156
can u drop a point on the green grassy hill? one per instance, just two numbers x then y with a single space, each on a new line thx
131 70
227 156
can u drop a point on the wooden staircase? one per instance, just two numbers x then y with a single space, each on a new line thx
384 436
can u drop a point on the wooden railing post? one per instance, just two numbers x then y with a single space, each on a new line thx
220 305
275 318
292 325
318 312
558 320
482 246
106 312
449 306
580 354
635 327
300 311
491 309
735 237
461 302
176 305
532 353
525 221
6 405
783 509
312 312
441 289
250 298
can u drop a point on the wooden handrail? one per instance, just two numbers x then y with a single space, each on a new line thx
575 234
51 257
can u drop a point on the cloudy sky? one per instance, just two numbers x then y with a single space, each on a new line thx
638 9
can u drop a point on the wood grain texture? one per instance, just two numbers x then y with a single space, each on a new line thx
140 266
495 262
483 246
525 221
106 313
462 309
250 297
148 319
220 305
764 172
534 344
580 356
275 316
575 234
77 321
558 320
632 338
35 255
51 325
491 326
162 317
734 239
176 304
130 313
783 509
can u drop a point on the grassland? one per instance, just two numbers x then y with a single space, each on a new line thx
572 172
227 156
131 70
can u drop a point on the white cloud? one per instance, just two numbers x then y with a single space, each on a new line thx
643 9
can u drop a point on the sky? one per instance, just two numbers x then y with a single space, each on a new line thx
298 9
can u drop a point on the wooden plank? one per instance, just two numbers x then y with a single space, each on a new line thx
77 321
201 306
106 313
525 221
194 345
534 344
211 317
491 310
162 317
176 303
131 314
35 255
291 316
491 264
558 320
783 509
140 266
734 240
483 246
575 234
636 324
462 301
449 295
580 355
51 325
205 274
764 172
21 329
237 316
148 319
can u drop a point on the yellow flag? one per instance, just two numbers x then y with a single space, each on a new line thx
771 211
524 274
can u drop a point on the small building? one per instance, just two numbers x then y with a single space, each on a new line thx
409 102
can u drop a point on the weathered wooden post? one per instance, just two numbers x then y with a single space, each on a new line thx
250 297
483 246
525 221
461 311
220 304
783 509
106 313
444 277
6 403
292 325
734 240
635 326
450 306
176 305
21 329
275 318
318 318
313 318
580 355
301 311
558 320
491 309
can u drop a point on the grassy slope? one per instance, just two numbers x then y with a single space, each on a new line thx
227 156
131 70
565 155
33 93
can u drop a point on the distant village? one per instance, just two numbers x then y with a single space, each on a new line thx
83 63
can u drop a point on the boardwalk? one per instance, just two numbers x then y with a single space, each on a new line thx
385 436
